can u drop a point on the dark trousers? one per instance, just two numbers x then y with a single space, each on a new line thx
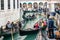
51 33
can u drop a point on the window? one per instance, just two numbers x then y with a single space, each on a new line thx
41 5
29 5
8 4
14 4
2 4
45 3
20 5
35 5
24 5
17 4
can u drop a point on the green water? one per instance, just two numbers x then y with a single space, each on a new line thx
31 37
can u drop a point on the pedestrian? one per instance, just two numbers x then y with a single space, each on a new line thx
50 25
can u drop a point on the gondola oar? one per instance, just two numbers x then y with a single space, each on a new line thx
12 34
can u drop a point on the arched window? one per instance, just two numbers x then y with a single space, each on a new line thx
29 5
35 5
40 4
45 5
24 5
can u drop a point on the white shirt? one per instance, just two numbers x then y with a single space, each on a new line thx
9 25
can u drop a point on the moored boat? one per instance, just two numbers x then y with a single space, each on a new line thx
28 31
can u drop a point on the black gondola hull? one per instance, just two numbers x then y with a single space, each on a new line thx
23 32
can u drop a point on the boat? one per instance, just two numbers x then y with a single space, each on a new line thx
9 32
28 31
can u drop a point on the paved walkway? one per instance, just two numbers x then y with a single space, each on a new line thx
40 37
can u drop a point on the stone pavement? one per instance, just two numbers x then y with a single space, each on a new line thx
40 37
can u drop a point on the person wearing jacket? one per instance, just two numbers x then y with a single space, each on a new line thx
50 25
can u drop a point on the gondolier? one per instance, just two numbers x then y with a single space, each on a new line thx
8 25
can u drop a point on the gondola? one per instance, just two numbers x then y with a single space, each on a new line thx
8 33
28 31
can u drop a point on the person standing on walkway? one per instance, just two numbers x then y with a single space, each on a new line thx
50 25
